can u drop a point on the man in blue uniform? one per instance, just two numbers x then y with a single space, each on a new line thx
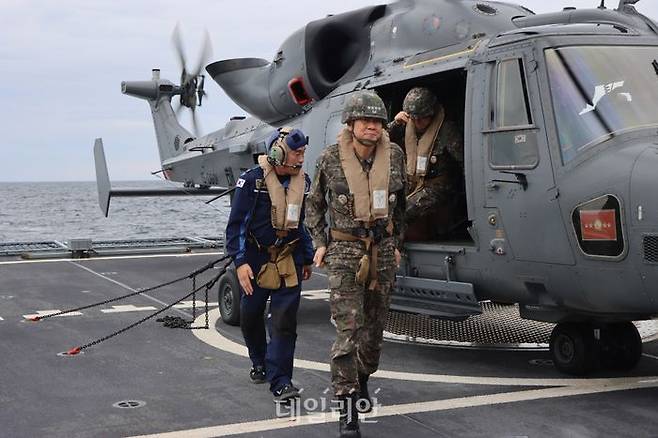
273 253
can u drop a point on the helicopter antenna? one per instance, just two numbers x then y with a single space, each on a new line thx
602 5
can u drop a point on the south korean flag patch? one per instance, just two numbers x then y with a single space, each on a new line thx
240 183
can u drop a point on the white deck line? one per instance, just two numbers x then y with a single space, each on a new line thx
403 409
143 256
213 338
118 283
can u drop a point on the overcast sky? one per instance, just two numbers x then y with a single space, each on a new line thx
62 62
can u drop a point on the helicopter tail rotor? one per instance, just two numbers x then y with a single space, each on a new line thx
191 82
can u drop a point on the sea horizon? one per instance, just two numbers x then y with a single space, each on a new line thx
65 210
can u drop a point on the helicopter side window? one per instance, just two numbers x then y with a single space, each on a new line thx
513 139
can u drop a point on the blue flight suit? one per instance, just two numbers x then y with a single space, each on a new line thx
250 222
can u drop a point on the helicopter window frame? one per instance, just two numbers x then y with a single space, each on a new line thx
515 134
496 124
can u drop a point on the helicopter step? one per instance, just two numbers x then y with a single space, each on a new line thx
435 298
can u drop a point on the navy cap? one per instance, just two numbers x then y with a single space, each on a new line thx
295 139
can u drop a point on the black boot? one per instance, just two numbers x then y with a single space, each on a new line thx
364 403
348 424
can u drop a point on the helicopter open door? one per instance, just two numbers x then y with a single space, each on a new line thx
518 187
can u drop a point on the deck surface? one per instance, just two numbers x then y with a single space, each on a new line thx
195 383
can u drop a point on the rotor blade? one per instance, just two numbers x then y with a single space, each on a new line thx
184 78
206 53
177 41
178 109
195 123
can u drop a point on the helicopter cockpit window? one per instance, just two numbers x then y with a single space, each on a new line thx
513 140
601 91
512 107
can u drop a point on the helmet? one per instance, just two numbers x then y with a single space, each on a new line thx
364 104
419 102
282 140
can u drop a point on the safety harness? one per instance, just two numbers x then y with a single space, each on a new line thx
371 235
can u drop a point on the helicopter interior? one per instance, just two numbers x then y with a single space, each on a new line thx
447 222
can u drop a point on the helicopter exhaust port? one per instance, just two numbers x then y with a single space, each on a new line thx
140 89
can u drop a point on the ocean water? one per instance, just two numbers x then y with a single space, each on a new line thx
61 211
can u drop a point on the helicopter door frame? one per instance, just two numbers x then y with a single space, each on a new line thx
524 220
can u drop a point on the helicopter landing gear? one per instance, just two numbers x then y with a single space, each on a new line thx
621 346
573 348
580 348
229 298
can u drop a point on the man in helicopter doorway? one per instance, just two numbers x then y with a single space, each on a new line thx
434 148
272 252
360 182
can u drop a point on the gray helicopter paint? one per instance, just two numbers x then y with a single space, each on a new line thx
524 247
397 31
523 208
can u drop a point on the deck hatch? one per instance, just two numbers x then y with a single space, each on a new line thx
129 404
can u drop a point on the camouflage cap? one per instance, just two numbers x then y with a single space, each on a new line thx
364 104
419 102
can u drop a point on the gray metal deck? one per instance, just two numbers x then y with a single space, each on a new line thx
175 382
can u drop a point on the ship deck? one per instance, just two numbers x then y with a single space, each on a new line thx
172 382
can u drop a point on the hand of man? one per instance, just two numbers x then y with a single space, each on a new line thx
307 271
245 275
318 258
398 257
402 118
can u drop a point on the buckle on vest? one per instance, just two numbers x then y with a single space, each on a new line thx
377 234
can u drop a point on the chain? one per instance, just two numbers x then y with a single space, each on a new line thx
137 292
206 309
178 322
208 285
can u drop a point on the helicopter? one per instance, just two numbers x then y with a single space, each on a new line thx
557 213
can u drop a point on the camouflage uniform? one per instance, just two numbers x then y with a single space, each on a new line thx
446 166
360 314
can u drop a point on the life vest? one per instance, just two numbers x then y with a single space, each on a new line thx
370 189
286 206
286 211
419 149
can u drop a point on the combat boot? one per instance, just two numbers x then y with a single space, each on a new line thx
348 424
364 403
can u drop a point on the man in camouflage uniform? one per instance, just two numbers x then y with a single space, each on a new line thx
435 174
362 248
